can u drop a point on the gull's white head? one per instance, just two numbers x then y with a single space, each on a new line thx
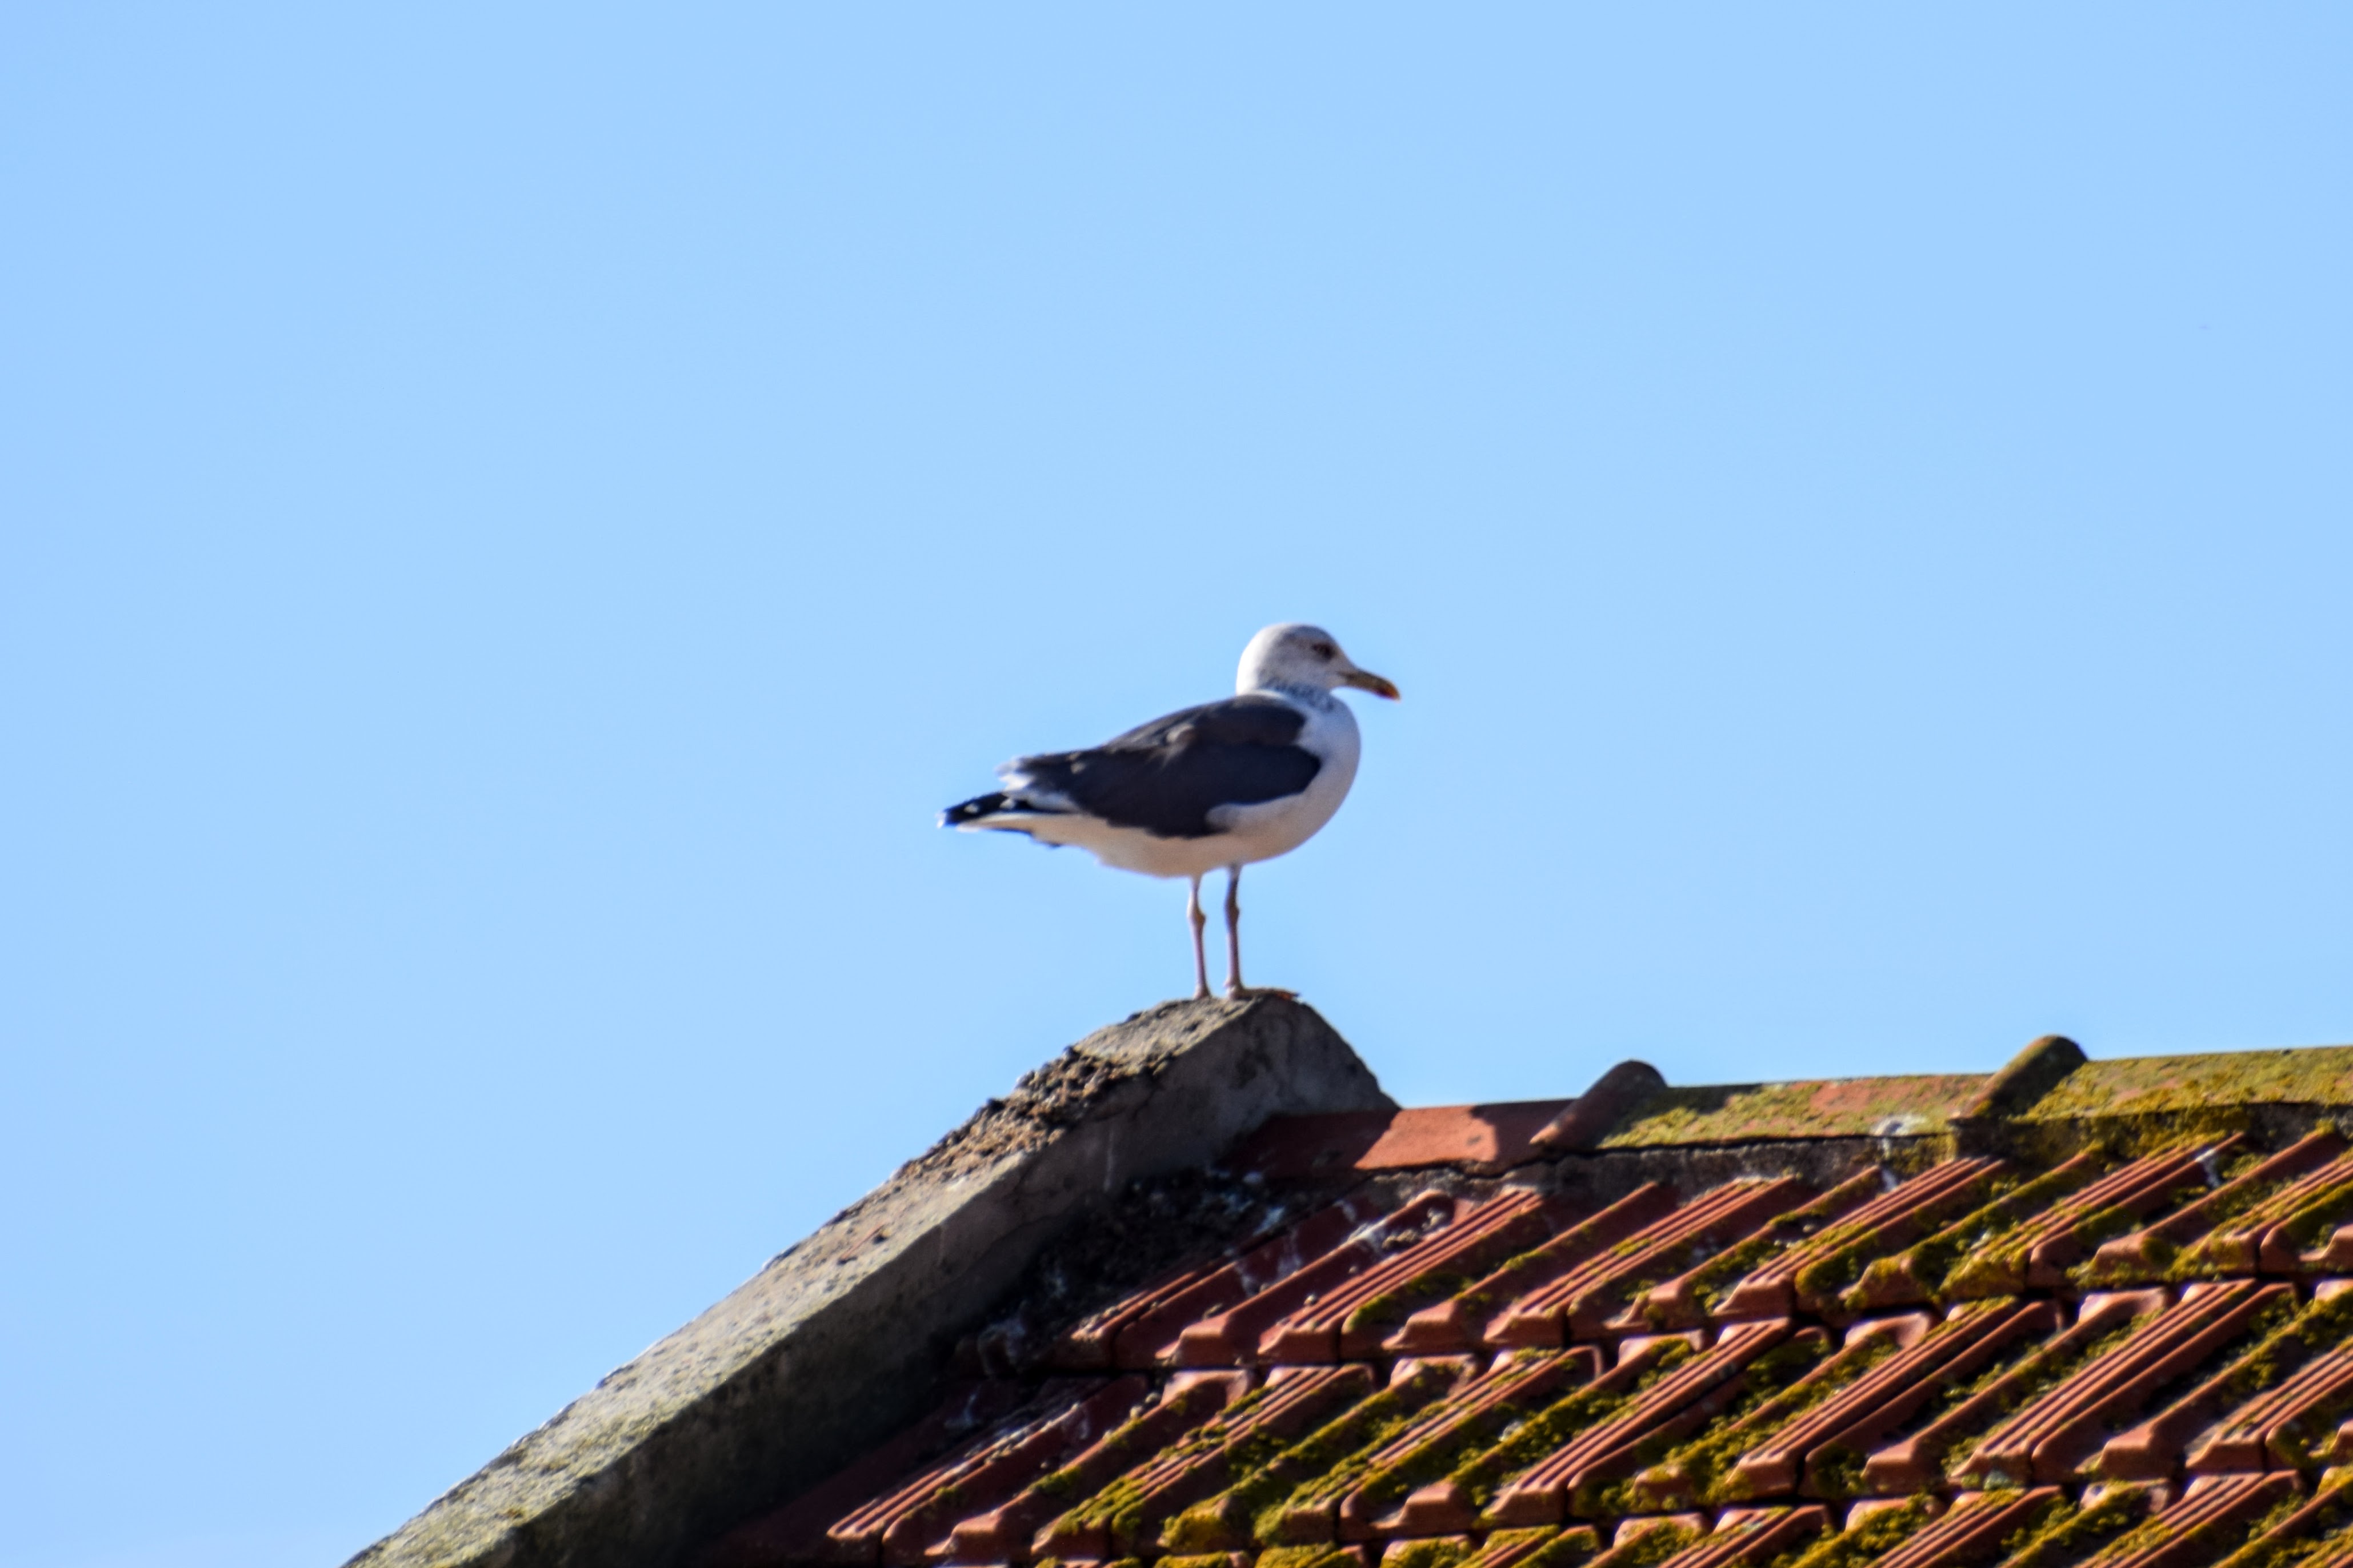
1304 658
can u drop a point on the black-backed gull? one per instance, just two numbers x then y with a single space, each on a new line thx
1225 784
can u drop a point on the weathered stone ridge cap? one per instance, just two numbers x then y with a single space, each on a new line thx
1103 1075
836 1340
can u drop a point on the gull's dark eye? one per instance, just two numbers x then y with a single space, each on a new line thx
1324 650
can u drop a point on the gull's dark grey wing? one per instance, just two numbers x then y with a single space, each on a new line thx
1166 776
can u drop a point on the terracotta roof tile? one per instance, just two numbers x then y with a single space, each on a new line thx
2316 1533
2147 1254
1590 1299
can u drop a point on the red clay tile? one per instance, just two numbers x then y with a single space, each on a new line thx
906 1524
2144 1255
1540 1548
1754 1535
1128 1521
2210 1520
1352 1318
2053 1435
1140 1331
1293 1148
1230 1336
1580 1303
1917 1462
2315 1535
2294 1424
1812 1274
1481 1138
1614 1448
1974 1531
2251 1240
1698 1473
1913 1277
1091 1344
1230 1520
2250 1394
1636 1542
2314 1238
1690 1298
1456 1323
1475 1410
2037 1252
972 1416
1815 1454
1409 1489
1002 1534
1292 1557
1477 1476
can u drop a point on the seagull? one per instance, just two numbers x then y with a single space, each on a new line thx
1226 783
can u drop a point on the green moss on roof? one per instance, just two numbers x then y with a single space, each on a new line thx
1925 1104
1822 1108
2313 1075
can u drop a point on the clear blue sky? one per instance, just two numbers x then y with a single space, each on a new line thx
517 517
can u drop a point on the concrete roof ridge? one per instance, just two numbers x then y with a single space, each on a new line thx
841 1337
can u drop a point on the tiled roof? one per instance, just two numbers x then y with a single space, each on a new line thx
2105 1320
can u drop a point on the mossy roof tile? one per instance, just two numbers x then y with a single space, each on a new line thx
1906 1106
2314 1074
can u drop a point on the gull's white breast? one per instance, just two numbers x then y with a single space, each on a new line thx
1275 827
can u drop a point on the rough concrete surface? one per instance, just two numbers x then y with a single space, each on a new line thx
837 1340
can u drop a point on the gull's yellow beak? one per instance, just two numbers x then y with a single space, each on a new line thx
1365 680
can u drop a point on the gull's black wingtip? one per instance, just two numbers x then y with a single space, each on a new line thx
973 810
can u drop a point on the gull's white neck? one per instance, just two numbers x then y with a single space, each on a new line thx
1318 697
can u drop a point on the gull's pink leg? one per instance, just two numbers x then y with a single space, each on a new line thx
1201 959
1234 986
1234 932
